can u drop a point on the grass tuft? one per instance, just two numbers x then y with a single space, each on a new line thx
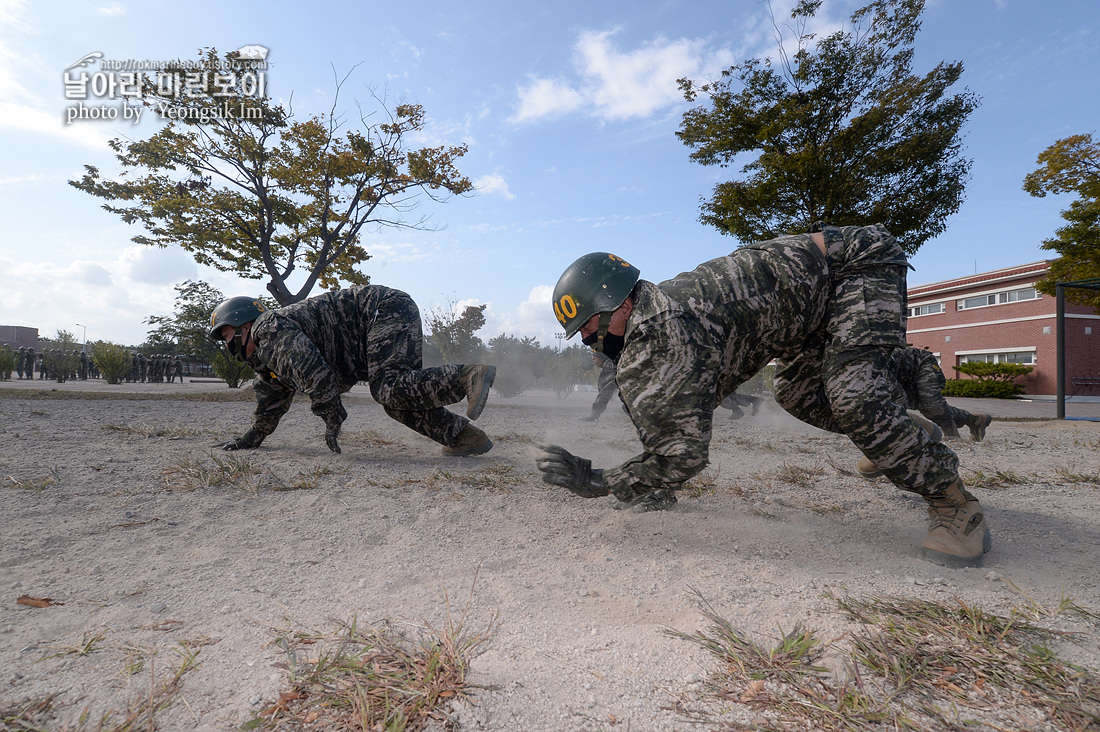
145 430
373 677
220 471
37 484
911 665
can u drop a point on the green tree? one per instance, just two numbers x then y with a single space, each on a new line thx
187 329
518 362
243 187
453 333
1072 165
112 360
841 131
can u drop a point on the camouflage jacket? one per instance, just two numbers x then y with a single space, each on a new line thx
315 346
691 340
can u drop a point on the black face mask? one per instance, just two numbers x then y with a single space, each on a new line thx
612 344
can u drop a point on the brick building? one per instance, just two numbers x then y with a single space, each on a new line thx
18 335
999 316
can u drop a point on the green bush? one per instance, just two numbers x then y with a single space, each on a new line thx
986 371
7 361
230 369
982 389
112 360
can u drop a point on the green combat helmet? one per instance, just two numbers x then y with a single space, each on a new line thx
597 283
236 311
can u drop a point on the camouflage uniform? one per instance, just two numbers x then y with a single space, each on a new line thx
830 322
919 386
606 388
324 345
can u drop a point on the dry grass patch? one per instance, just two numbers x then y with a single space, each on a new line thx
141 714
216 471
38 483
910 665
146 430
373 677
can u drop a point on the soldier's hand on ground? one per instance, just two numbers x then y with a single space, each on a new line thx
334 415
560 467
247 441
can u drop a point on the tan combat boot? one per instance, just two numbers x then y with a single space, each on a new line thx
477 380
470 441
958 535
977 424
866 466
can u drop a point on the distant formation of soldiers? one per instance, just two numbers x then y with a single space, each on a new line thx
56 363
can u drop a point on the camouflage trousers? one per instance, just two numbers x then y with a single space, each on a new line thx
412 395
840 382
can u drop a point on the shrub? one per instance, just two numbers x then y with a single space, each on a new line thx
982 389
230 369
112 360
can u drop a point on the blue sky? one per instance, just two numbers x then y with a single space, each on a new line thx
569 110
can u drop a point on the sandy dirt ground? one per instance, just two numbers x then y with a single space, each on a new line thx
102 512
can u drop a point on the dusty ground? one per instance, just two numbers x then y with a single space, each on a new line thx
103 512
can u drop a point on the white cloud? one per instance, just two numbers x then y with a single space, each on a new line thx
546 98
154 266
616 84
494 185
533 317
112 9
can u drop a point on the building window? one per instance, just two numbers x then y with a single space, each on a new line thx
1046 330
1088 330
932 309
1027 358
997 298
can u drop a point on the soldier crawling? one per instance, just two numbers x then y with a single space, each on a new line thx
828 306
324 345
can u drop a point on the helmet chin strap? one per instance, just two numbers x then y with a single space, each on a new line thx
601 330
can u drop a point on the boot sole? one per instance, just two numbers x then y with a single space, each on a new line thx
475 408
953 560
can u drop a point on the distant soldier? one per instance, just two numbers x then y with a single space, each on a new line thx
83 366
605 386
21 361
177 367
324 345
143 367
132 375
735 401
920 384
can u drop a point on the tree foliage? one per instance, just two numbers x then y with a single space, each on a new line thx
187 328
453 332
1072 166
245 188
842 131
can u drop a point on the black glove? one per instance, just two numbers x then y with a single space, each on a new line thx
560 467
334 415
247 441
